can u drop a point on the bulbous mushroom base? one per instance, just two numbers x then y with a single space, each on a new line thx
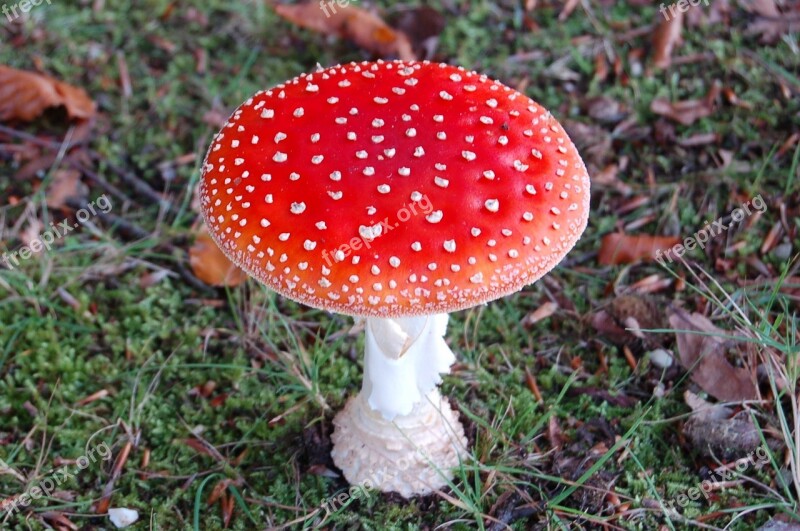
413 454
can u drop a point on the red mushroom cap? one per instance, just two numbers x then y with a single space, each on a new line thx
392 189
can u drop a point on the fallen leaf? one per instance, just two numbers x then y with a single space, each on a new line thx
542 312
350 22
714 431
26 95
702 352
422 25
210 264
688 111
665 38
617 248
66 184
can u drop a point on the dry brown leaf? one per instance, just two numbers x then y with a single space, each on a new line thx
618 248
350 22
26 95
684 112
715 431
666 37
542 312
210 264
66 184
701 351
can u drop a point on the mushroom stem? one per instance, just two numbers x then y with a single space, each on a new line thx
403 362
399 434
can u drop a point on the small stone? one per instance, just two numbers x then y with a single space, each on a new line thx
661 358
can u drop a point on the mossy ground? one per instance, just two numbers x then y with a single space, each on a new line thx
81 319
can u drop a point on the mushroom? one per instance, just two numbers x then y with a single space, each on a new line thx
397 192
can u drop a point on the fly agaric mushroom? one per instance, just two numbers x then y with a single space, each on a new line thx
396 192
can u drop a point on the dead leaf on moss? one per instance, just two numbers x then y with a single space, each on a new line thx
349 22
26 95
688 111
210 264
618 248
66 184
715 431
666 37
702 350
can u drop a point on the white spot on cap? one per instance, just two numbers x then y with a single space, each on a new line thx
315 138
445 96
280 157
389 152
416 246
351 135
336 175
487 120
298 208
361 154
298 112
335 195
530 189
405 172
369 170
492 205
309 245
477 278
394 261
435 216
536 153
317 159
491 103
411 132
312 88
419 152
377 139
294 176
234 143
489 174
375 270
283 236
527 216
450 246
321 225
441 135
264 223
468 155
268 113
475 231
519 166
384 188
377 122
